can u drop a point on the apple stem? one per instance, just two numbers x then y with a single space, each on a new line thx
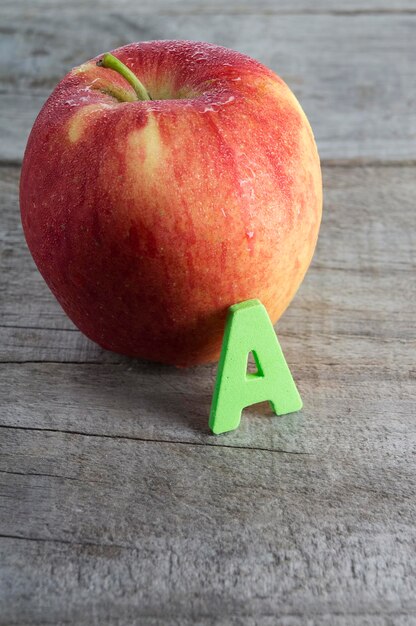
113 63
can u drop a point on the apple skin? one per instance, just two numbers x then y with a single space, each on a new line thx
148 219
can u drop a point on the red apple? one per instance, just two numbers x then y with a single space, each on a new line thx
149 218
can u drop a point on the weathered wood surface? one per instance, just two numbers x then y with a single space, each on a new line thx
155 533
215 7
353 72
116 504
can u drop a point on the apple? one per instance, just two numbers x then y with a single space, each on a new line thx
163 183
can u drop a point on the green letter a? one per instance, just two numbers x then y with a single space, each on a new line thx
249 329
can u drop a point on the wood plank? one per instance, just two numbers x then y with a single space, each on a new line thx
353 405
186 7
110 528
350 92
357 298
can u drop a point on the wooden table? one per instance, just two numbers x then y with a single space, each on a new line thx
117 506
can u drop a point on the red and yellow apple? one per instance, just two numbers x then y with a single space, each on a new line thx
148 218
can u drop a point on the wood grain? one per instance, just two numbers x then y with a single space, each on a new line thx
172 530
348 71
345 407
184 7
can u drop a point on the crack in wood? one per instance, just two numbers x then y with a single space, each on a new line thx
31 327
40 361
145 440
37 474
67 541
